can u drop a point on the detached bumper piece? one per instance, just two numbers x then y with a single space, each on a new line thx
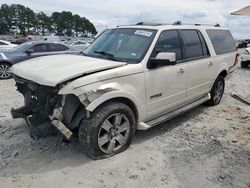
39 127
63 129
21 112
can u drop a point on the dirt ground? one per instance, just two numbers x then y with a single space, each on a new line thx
206 147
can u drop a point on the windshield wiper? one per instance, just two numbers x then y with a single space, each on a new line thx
107 55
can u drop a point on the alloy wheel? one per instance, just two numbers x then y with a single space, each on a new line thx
5 71
113 133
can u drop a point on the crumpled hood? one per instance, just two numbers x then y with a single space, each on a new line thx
52 70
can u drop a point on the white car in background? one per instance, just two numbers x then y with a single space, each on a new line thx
5 45
245 58
80 44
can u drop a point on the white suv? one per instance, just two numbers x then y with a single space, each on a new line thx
245 58
131 77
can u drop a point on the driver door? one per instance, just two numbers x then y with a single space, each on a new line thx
166 86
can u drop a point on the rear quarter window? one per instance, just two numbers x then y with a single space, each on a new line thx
58 47
222 41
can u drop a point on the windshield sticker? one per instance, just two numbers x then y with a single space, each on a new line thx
143 33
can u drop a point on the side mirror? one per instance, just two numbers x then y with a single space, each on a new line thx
162 59
29 51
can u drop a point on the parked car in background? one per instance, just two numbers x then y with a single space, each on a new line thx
31 50
80 44
19 40
244 43
5 45
130 77
245 58
52 38
89 40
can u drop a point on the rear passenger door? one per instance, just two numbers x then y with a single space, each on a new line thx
198 64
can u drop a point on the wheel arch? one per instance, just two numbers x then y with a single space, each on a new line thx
223 73
127 99
6 62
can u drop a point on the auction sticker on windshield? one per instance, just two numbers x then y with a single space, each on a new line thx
143 33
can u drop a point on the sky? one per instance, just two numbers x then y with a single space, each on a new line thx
110 13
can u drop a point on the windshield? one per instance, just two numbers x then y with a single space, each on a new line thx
21 48
122 44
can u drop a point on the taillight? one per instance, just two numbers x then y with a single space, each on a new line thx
237 59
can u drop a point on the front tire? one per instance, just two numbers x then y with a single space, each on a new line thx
244 64
108 131
217 91
5 72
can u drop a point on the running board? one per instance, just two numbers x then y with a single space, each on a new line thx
170 115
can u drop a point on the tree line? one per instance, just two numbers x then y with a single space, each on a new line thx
20 20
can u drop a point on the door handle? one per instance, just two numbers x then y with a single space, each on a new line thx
181 71
210 63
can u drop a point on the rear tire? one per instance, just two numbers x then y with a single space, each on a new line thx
244 64
108 131
5 72
216 91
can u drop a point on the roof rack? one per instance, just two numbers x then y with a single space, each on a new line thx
147 23
175 23
180 23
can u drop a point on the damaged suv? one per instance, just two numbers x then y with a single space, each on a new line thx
130 78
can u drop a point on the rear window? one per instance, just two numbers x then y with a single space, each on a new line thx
222 41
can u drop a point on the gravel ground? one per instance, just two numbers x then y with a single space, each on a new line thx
206 147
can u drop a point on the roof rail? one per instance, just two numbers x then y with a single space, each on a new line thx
147 23
180 23
175 23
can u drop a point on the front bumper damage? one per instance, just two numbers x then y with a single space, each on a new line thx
47 113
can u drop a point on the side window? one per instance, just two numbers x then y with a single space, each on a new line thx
169 41
193 44
58 47
222 41
40 48
1 43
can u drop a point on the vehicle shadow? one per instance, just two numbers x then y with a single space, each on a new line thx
50 154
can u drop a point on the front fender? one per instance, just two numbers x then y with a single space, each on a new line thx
93 95
111 95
